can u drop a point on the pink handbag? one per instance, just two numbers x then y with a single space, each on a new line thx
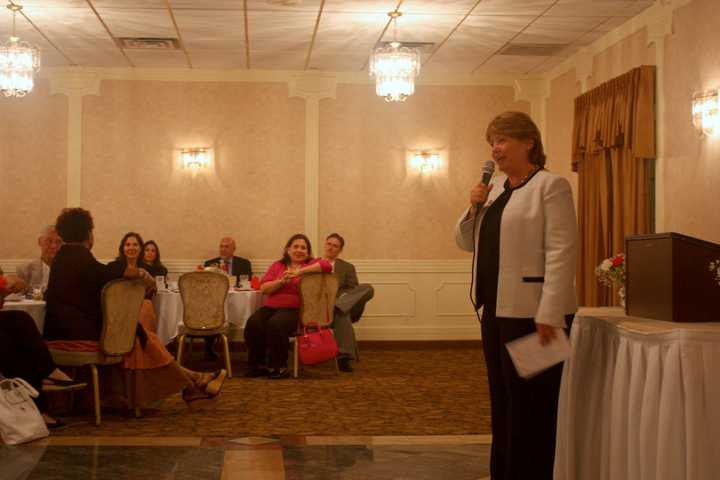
316 346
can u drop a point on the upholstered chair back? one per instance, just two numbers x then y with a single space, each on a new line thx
317 293
203 297
121 302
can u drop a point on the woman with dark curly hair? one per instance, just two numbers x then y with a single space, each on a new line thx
151 259
73 319
268 330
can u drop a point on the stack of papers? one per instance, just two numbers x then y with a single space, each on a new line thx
531 358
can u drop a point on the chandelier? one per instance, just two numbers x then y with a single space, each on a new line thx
394 68
19 61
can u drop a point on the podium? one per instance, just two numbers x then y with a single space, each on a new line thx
667 278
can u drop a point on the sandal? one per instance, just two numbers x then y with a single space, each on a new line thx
214 386
197 399
55 385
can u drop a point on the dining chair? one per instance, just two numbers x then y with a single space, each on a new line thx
121 301
317 302
203 297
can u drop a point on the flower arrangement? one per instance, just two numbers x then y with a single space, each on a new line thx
611 271
715 268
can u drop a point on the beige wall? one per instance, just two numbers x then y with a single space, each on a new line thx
691 165
692 171
367 193
558 136
625 55
132 134
33 166
133 130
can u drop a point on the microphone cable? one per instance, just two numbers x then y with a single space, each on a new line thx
474 264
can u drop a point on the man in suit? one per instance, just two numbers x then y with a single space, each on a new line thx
228 262
233 266
36 273
350 303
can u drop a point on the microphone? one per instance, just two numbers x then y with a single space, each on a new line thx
487 172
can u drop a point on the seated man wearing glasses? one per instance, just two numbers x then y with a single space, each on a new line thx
350 303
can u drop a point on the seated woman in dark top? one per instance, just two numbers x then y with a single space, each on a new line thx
73 319
23 352
130 253
151 259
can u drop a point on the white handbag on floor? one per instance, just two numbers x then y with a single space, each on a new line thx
20 419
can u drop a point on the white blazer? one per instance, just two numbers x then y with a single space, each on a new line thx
538 236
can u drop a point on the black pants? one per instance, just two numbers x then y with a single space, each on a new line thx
524 412
267 336
23 352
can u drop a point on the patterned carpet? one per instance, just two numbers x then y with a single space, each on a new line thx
428 388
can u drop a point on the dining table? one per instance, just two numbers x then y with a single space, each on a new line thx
239 305
36 308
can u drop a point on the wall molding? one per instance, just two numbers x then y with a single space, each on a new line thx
75 85
273 76
537 92
261 264
406 306
312 86
661 11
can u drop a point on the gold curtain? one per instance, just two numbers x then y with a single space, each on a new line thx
613 148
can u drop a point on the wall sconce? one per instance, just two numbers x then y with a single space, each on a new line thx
426 162
195 159
705 112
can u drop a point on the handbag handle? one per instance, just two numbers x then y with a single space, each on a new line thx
21 384
311 323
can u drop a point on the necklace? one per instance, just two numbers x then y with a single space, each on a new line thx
522 180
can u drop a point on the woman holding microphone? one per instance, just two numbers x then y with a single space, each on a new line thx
522 227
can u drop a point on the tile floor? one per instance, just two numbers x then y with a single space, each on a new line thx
256 458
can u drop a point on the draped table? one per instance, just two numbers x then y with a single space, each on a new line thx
239 305
639 400
36 309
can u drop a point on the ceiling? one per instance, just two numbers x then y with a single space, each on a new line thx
467 36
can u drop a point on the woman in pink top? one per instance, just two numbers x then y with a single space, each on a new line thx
268 331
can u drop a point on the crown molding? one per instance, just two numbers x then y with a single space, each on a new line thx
270 76
657 19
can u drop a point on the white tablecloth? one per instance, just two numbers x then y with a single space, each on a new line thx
169 310
36 309
639 400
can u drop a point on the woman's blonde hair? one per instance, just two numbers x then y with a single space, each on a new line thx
518 125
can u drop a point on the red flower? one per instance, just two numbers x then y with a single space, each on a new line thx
618 260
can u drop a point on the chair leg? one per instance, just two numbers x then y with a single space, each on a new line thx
295 358
227 355
138 413
96 393
181 347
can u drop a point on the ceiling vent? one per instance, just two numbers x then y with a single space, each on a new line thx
424 47
148 43
533 50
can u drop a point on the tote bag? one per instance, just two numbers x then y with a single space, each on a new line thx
20 419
